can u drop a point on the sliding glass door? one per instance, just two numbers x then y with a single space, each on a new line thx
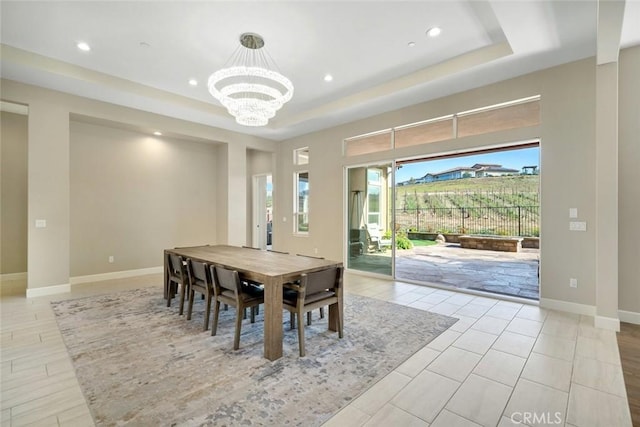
468 221
370 204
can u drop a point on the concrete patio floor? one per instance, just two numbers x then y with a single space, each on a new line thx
505 273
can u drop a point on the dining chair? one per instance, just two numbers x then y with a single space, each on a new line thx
176 276
228 289
200 281
321 308
315 290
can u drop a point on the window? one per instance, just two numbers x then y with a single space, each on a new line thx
370 143
301 203
301 156
434 130
374 182
518 114
514 114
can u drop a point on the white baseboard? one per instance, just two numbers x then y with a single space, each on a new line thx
610 323
13 276
571 307
115 275
48 290
629 317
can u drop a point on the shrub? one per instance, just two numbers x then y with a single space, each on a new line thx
402 241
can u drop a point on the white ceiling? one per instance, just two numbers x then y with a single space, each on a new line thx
143 53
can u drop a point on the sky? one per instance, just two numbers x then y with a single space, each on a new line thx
513 159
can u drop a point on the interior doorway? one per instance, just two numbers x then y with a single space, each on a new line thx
472 220
262 236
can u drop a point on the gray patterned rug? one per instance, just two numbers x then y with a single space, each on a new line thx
140 363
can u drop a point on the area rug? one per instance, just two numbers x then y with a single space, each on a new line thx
140 363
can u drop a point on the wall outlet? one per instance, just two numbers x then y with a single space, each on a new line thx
315 250
111 259
577 226
573 283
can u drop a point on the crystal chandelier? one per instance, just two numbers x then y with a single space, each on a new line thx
250 89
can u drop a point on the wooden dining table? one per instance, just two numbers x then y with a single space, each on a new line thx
267 267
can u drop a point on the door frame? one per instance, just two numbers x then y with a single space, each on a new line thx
259 208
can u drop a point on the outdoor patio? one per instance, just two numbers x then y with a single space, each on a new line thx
506 273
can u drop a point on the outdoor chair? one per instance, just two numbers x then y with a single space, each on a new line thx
228 289
315 290
375 240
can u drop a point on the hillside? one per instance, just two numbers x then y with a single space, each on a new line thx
507 205
516 183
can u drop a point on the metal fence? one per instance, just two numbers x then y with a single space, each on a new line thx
495 220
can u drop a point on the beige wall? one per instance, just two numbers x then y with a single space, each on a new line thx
567 136
13 203
133 195
629 180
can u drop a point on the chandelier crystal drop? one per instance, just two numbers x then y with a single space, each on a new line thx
250 89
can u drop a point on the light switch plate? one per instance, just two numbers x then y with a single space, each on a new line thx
577 226
573 212
41 223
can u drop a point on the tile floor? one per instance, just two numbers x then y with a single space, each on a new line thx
503 363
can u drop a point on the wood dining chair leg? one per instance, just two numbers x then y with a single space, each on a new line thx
301 333
168 292
182 292
340 320
309 318
322 312
236 337
292 320
214 322
190 309
207 312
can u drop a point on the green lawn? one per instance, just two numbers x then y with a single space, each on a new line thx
423 242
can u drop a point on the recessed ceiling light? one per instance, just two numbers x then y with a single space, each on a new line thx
157 133
411 44
83 46
193 82
328 78
434 32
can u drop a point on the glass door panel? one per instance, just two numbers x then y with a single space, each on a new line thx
370 196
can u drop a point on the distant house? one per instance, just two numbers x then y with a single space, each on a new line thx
454 173
427 178
478 170
492 170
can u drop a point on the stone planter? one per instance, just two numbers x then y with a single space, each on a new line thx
419 235
491 243
531 242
